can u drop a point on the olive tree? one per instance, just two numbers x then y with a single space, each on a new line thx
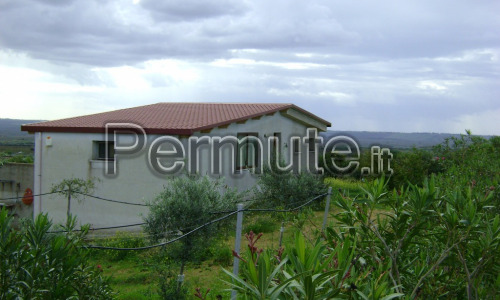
186 203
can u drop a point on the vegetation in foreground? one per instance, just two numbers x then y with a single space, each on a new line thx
35 264
424 245
417 235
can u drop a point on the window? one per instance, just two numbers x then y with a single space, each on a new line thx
312 144
100 151
276 143
248 151
296 145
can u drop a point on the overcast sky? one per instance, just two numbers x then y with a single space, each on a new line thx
410 66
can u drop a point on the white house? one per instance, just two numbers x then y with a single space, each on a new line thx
132 152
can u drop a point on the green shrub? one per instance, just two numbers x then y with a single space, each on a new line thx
277 188
35 264
430 242
470 160
119 240
20 158
428 238
319 271
412 167
222 255
262 224
168 285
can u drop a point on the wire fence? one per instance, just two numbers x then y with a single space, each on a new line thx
181 235
228 214
164 243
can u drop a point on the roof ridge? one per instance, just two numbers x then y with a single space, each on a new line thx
243 103
168 117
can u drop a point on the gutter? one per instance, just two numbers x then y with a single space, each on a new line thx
37 203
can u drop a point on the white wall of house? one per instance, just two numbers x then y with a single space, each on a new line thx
71 155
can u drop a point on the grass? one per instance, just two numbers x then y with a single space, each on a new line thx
13 149
135 276
347 186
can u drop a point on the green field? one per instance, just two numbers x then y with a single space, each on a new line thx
134 277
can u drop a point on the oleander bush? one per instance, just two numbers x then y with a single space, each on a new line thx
429 242
36 264
435 235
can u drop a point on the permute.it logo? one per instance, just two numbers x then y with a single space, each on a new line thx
168 155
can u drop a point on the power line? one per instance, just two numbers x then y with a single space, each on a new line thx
274 210
43 194
87 195
111 200
98 228
285 210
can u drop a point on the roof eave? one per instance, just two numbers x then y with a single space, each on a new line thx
32 129
38 127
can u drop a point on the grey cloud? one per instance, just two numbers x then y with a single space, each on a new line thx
56 2
399 29
374 63
116 33
95 33
188 10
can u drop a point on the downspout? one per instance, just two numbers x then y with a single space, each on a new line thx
37 203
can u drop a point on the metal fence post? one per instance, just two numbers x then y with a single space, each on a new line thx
282 230
237 243
327 207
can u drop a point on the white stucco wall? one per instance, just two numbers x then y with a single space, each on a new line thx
70 156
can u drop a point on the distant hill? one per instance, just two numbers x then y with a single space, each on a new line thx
398 140
11 134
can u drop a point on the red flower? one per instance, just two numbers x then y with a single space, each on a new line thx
238 256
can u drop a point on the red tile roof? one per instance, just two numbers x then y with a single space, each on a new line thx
168 117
